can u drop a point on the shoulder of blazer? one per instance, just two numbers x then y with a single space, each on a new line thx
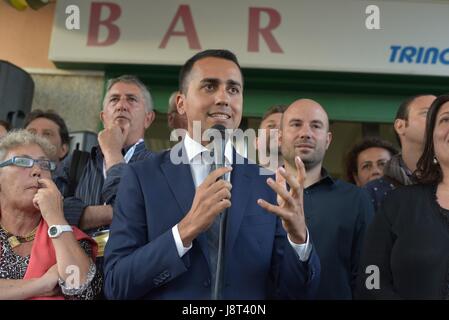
154 160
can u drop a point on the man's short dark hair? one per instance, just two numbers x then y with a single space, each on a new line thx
366 143
50 115
5 124
277 108
404 110
211 53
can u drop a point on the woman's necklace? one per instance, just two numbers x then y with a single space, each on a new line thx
15 241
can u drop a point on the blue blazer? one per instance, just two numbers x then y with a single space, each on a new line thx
141 259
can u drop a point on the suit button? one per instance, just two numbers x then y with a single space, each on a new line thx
206 283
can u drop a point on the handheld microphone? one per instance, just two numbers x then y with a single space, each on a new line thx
219 162
219 146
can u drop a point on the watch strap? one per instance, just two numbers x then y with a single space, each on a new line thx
60 228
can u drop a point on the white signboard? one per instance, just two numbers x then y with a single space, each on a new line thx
395 36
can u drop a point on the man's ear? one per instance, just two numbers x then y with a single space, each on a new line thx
329 139
399 126
180 103
149 118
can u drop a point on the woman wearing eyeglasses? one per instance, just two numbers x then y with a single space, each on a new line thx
41 256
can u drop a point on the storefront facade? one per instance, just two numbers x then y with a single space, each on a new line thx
359 59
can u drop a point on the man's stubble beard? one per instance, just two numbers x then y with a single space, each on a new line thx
309 164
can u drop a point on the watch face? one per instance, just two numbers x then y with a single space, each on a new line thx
53 231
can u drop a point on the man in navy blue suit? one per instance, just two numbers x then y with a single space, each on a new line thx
163 243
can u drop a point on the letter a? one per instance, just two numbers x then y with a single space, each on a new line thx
373 20
72 22
185 16
372 281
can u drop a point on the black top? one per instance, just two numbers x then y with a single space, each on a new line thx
409 242
337 214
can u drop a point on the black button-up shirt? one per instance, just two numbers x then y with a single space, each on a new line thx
337 214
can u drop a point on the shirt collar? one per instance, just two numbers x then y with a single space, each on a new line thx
127 148
325 179
194 148
97 150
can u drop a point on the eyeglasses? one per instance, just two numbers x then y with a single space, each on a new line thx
29 163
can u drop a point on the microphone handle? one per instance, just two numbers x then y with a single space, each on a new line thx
219 279
219 157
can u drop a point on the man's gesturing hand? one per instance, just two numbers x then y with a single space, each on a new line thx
211 198
290 206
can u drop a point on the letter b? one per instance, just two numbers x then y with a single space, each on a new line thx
96 22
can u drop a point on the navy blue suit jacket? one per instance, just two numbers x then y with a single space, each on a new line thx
141 259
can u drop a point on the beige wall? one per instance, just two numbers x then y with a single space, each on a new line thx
76 97
25 35
25 41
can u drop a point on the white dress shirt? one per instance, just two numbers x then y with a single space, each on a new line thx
200 170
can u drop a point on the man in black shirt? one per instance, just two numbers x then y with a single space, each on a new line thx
337 213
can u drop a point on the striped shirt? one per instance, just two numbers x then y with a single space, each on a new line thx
93 189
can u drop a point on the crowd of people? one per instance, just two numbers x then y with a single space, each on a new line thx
124 222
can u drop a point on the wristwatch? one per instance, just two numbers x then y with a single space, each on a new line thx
55 230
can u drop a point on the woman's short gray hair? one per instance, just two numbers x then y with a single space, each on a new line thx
19 138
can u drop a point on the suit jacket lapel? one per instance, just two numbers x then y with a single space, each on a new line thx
179 178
